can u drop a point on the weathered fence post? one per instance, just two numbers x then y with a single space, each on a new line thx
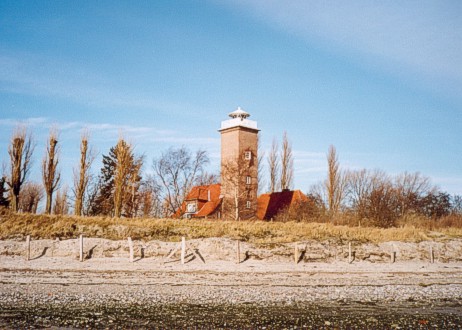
350 260
27 247
81 248
183 249
238 252
130 246
431 255
296 253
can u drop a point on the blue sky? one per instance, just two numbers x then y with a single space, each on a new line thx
382 81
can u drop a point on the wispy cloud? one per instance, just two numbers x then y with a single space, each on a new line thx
33 75
414 39
142 135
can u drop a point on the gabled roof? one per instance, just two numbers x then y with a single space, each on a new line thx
268 205
201 195
202 192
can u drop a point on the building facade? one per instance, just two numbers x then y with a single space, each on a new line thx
239 165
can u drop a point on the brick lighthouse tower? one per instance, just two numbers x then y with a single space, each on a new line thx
239 165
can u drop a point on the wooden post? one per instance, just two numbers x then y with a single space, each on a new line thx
350 260
392 256
130 246
431 255
238 252
81 248
27 247
183 249
296 253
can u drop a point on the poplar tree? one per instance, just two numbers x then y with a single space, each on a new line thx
20 151
287 163
50 174
82 174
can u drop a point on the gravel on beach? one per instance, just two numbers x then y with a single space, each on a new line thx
113 293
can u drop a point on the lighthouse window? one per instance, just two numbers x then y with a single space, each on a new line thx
248 180
248 155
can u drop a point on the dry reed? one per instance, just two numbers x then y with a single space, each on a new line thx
14 225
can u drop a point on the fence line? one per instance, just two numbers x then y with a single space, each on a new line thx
183 247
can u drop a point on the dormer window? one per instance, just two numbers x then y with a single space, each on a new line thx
248 155
191 208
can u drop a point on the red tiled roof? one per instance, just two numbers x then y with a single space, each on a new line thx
268 205
201 194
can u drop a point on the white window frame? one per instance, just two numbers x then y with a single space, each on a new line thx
191 208
248 204
248 155
248 180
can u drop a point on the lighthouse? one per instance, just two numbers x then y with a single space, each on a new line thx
239 165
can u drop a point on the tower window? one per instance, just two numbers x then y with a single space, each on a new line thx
248 204
248 180
248 155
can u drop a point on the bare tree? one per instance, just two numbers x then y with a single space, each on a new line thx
61 206
369 192
50 173
206 178
273 166
335 184
90 200
411 187
234 174
260 167
287 164
126 178
177 170
150 197
20 151
30 197
82 174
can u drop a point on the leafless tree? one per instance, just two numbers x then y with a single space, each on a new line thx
50 172
150 198
207 178
260 167
126 177
368 191
287 163
177 170
20 151
30 197
335 184
410 188
273 166
61 206
82 173
234 185
90 199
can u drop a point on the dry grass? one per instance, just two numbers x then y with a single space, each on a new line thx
52 226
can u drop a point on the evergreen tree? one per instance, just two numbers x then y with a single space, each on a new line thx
103 203
3 201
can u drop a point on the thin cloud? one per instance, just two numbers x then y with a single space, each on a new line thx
143 134
416 40
27 74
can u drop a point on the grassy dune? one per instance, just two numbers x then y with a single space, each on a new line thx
43 226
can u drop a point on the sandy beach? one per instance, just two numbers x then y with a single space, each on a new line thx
62 291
